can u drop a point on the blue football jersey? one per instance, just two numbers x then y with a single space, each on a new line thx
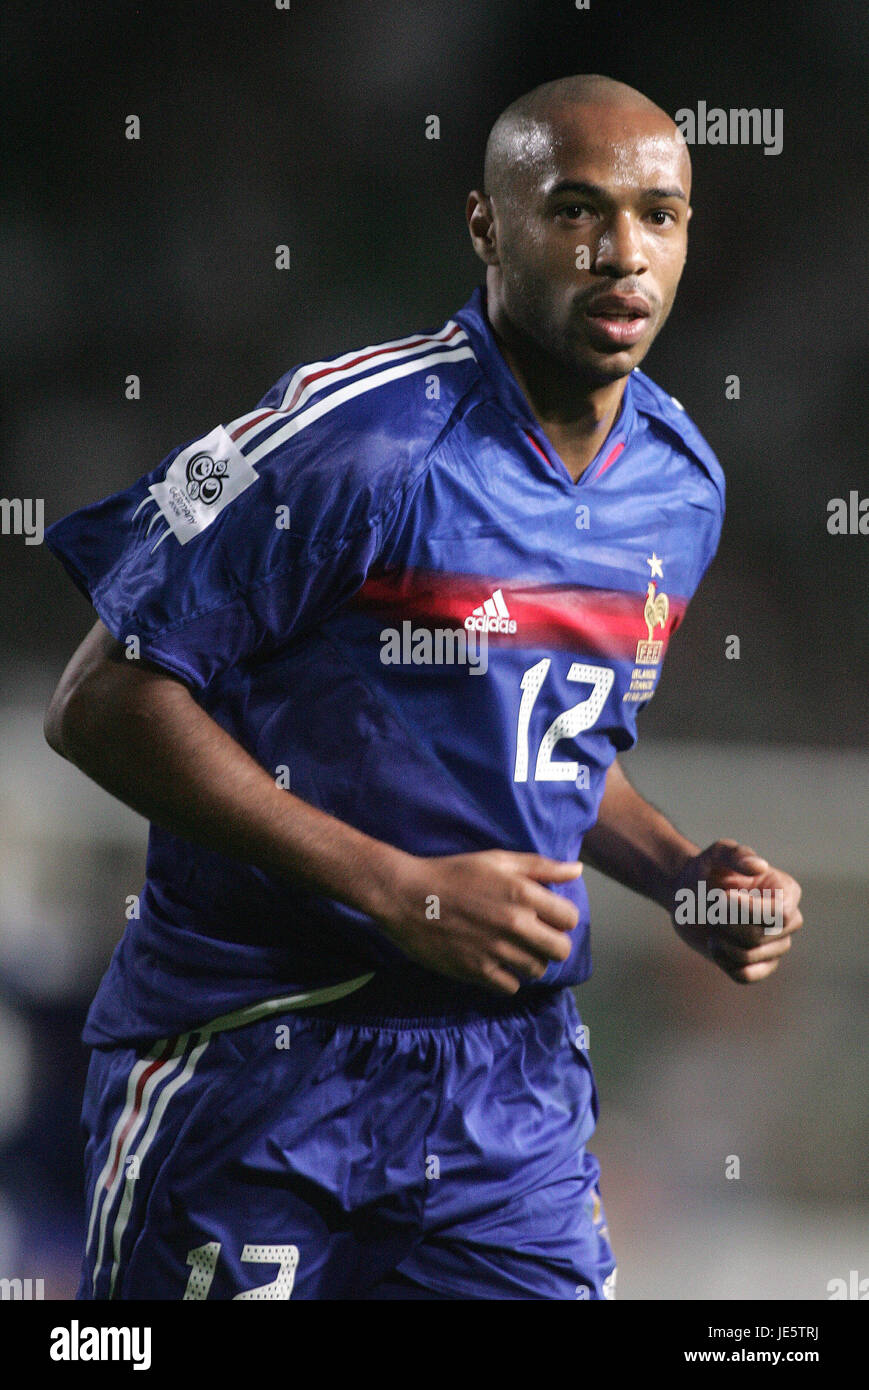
384 583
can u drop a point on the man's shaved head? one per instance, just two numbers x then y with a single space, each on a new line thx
582 225
523 134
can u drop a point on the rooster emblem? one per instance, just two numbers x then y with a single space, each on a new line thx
656 610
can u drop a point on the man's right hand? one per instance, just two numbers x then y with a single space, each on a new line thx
483 918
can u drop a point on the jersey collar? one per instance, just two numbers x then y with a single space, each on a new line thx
503 384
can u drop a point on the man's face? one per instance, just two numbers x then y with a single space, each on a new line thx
608 188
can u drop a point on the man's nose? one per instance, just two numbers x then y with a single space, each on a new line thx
620 250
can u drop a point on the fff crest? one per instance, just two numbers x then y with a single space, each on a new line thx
656 611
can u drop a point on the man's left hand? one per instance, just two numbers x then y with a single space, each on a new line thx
746 948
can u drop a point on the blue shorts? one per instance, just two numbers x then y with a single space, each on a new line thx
314 1153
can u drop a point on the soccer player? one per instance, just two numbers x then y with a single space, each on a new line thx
366 657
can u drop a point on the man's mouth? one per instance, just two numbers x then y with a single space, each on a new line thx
618 320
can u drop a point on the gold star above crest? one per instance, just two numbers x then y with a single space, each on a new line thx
656 565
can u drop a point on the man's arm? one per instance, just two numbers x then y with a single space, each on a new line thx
141 735
635 844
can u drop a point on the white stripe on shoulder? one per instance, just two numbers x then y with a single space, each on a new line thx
397 346
297 422
322 376
308 388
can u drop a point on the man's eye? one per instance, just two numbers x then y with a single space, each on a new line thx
574 209
662 216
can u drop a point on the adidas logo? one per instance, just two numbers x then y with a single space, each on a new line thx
491 616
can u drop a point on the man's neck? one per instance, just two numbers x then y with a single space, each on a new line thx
575 418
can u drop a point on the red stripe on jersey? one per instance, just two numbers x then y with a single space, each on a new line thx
607 621
243 429
611 458
342 367
532 440
366 357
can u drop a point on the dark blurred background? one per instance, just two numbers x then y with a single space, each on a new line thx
156 257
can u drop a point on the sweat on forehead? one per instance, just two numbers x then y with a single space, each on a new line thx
527 133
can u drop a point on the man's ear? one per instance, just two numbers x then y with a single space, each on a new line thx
481 225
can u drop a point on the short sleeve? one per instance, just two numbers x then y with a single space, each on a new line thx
712 531
212 560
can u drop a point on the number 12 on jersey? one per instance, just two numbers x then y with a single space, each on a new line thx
568 724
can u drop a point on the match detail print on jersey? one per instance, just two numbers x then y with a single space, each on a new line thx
199 483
